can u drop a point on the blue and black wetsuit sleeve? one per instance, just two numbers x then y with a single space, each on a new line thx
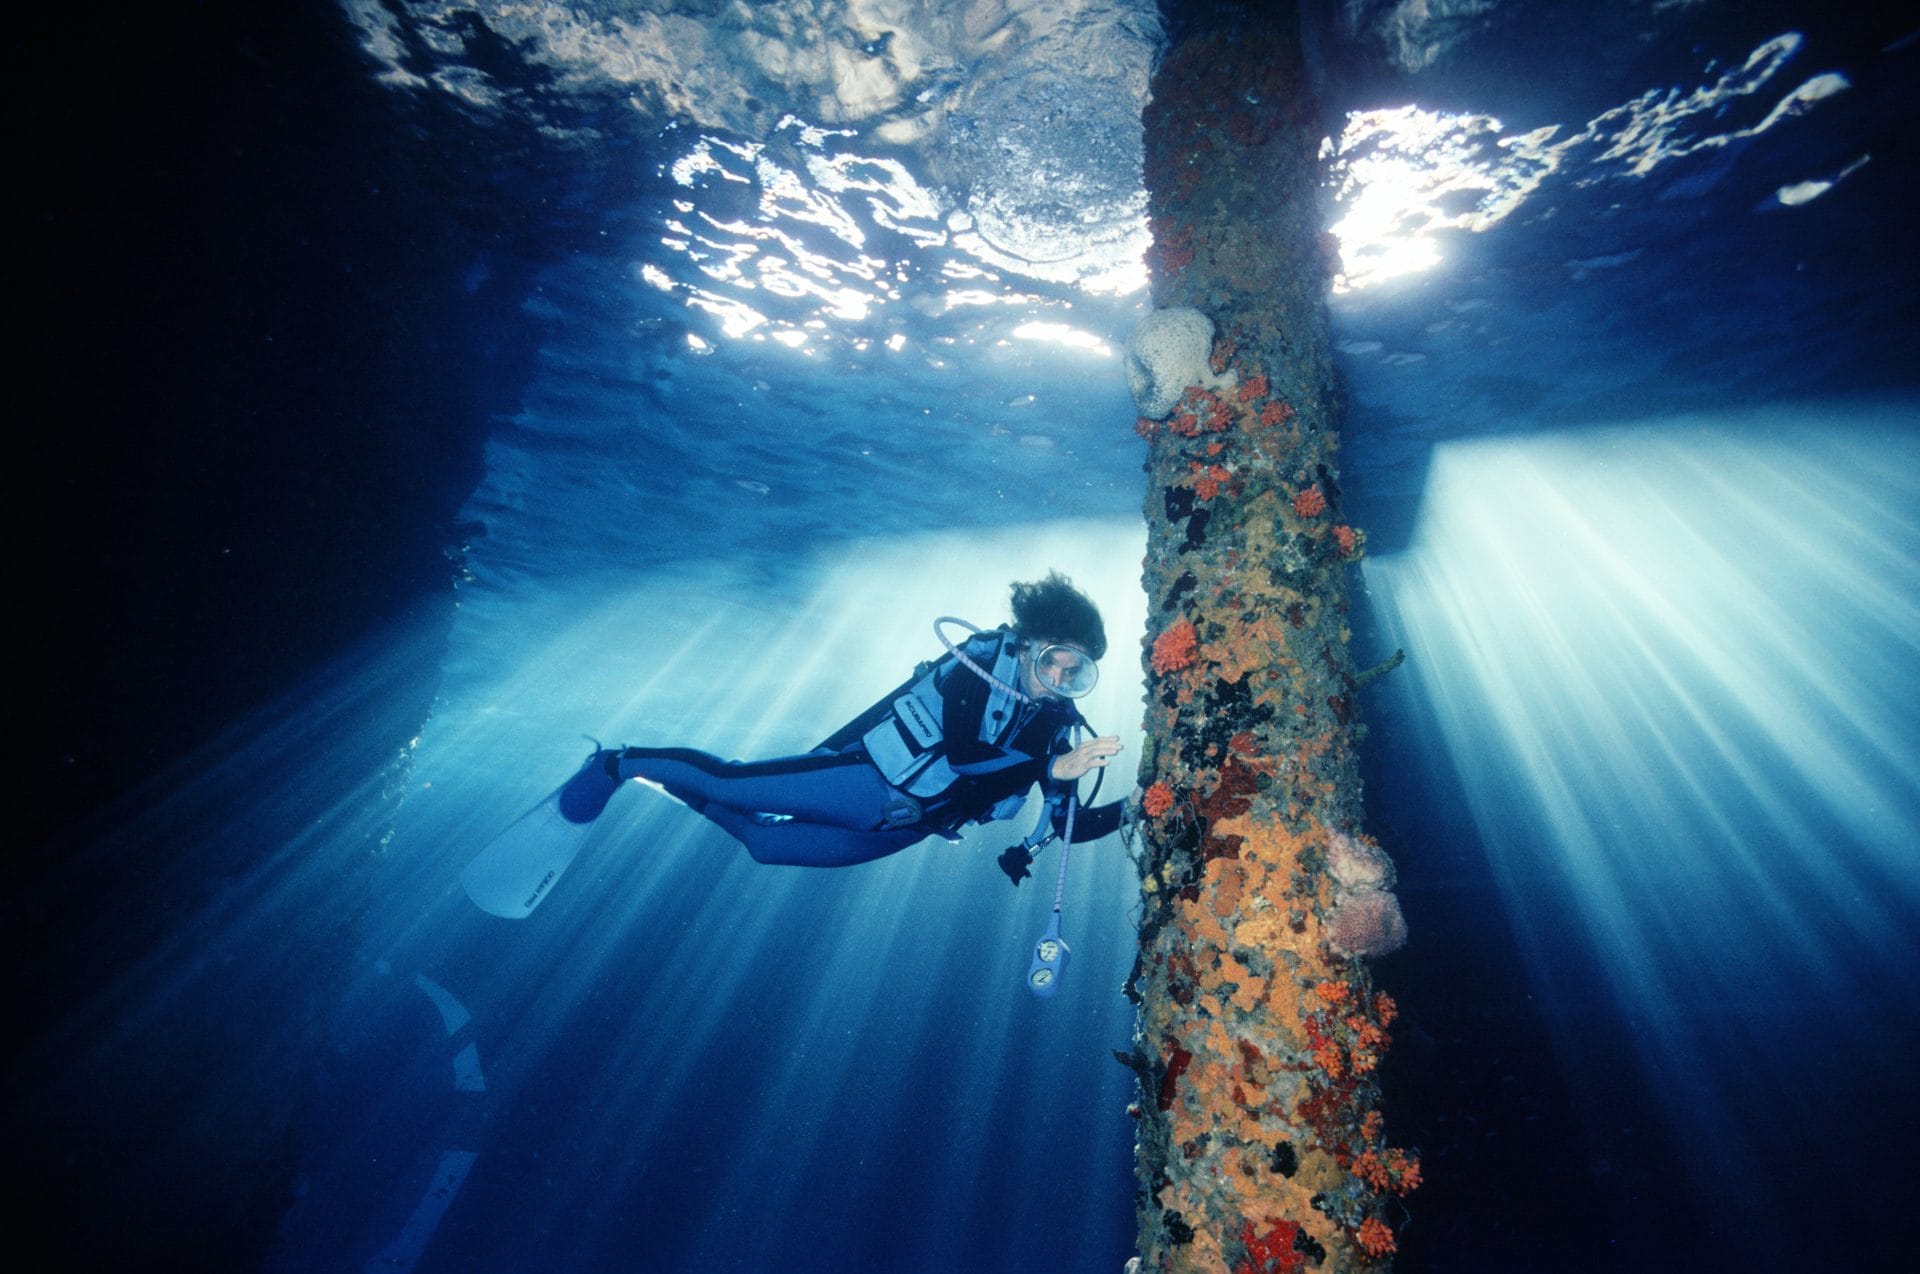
1090 823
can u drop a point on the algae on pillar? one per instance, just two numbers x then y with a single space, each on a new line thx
1260 1146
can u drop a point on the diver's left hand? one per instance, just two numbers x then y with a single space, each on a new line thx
1089 756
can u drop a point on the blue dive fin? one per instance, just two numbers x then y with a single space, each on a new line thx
519 866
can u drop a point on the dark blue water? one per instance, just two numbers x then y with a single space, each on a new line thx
431 388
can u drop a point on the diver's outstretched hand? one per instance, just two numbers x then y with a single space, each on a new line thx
1089 756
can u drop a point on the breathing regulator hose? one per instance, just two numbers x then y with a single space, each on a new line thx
1050 953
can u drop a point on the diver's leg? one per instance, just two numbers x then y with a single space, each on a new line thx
794 843
584 796
837 791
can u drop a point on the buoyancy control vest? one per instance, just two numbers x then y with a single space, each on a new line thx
909 746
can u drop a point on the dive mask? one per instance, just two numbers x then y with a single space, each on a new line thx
1065 670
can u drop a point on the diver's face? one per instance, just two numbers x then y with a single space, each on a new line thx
1052 669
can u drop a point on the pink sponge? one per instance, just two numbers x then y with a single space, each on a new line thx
1367 922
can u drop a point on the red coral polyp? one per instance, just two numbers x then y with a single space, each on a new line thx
1210 481
1333 992
1310 503
1375 1238
1395 1171
1157 800
1176 648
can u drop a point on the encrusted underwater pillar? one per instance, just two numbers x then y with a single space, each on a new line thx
1260 1147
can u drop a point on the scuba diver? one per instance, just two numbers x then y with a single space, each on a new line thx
961 741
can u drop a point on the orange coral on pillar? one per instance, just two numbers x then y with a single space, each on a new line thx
1176 648
1275 413
1375 1237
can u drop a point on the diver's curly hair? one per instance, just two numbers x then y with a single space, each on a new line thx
1052 609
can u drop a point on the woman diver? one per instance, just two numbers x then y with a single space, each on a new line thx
961 741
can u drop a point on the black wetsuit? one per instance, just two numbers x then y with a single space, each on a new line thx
831 807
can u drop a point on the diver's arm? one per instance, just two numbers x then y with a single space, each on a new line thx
1091 823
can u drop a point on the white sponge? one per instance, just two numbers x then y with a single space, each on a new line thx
1168 352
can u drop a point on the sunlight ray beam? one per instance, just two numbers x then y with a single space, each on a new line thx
681 986
1675 667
